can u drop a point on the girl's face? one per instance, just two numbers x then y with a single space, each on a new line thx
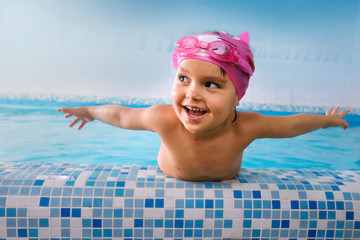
202 97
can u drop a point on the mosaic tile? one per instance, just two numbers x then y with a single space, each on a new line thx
80 201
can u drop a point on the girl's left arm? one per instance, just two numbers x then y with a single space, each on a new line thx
295 125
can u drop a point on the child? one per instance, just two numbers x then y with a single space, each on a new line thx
203 136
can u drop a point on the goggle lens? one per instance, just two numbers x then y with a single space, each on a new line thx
220 49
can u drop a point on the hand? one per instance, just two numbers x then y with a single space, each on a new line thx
81 113
337 118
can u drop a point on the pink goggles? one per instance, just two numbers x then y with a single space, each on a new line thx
219 50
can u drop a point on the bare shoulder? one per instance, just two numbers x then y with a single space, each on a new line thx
248 116
160 116
250 122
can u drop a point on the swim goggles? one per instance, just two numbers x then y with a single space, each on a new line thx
220 50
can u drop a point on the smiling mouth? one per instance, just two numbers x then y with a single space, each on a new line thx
194 112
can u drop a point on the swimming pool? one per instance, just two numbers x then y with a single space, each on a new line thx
103 183
32 130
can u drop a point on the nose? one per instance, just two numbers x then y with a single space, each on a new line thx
194 92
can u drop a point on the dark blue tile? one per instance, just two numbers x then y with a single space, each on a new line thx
149 203
294 204
97 223
22 233
65 212
256 194
138 222
237 194
349 215
312 205
276 204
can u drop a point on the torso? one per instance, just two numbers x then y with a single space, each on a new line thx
183 157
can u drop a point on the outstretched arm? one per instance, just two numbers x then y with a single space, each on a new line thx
119 116
294 125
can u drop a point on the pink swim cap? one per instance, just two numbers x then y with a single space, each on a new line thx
232 54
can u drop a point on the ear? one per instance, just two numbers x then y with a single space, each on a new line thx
244 37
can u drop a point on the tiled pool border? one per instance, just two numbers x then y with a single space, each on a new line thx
82 201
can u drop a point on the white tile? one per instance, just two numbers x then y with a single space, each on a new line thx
158 232
188 213
208 223
76 222
11 201
340 215
45 233
118 202
139 192
32 212
179 193
86 212
128 223
150 192
55 222
75 232
321 224
169 192
55 232
199 213
44 212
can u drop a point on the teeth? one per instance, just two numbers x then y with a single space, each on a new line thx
195 109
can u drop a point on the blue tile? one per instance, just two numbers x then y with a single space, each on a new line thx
179 213
11 212
219 213
149 203
275 224
340 205
189 203
33 233
247 224
329 195
2 201
138 222
118 213
312 205
349 215
199 203
76 212
294 204
97 223
331 205
65 212
179 223
237 194
22 212
22 233
43 222
276 204
97 202
38 182
86 223
209 203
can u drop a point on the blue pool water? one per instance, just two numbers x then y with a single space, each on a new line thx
32 130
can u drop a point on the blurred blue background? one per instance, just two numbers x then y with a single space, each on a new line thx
306 52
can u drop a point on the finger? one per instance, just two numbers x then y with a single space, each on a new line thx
75 121
328 112
82 125
335 110
343 113
68 115
59 110
345 126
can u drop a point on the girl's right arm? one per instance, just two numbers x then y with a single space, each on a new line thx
119 116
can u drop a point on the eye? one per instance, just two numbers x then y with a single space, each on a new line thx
212 85
183 79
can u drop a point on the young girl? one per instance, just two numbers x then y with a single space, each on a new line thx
203 136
